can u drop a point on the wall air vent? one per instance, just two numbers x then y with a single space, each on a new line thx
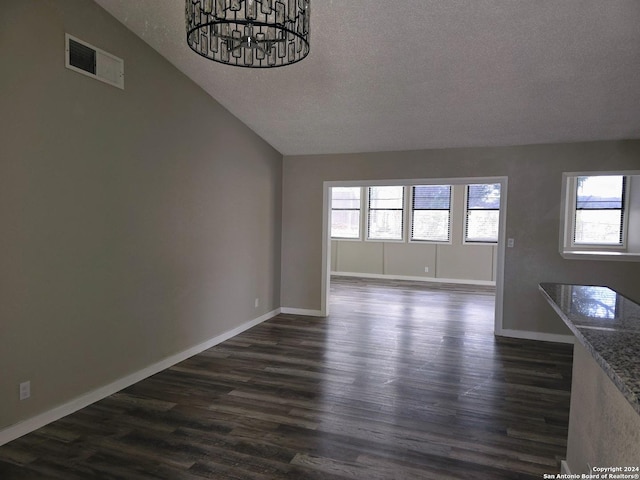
88 60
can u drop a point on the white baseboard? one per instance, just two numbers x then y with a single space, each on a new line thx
26 426
414 279
543 337
303 311
564 467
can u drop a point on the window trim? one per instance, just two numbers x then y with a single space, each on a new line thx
359 209
593 252
403 209
411 211
465 222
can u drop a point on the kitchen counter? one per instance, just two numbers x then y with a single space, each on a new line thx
607 324
604 418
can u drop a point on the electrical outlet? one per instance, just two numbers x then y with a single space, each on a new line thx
256 303
25 390
426 269
510 242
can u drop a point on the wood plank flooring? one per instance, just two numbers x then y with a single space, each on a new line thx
402 381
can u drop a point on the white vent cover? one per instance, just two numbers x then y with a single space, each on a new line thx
84 58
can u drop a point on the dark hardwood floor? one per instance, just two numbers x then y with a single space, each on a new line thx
402 381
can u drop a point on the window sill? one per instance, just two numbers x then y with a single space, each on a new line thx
429 242
601 255
385 240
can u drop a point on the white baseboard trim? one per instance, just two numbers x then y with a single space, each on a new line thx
303 311
543 337
564 467
414 279
26 426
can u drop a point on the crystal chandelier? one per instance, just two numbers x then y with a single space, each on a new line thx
249 33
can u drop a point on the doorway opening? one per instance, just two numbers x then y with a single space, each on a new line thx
426 230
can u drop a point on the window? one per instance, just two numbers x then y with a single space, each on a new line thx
345 212
600 216
482 213
385 213
599 210
430 213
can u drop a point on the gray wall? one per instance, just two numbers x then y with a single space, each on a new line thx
533 209
459 263
135 223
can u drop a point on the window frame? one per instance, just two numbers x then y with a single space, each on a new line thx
570 251
465 223
359 209
411 210
403 209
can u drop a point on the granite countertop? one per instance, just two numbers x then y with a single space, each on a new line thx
608 325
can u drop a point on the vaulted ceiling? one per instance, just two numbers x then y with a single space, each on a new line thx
414 74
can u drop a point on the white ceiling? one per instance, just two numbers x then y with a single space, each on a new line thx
414 74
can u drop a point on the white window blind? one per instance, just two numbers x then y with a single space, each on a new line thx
431 213
385 213
599 212
345 212
482 213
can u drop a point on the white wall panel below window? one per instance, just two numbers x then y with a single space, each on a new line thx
360 257
411 259
468 262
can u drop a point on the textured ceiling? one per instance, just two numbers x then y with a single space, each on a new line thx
413 74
